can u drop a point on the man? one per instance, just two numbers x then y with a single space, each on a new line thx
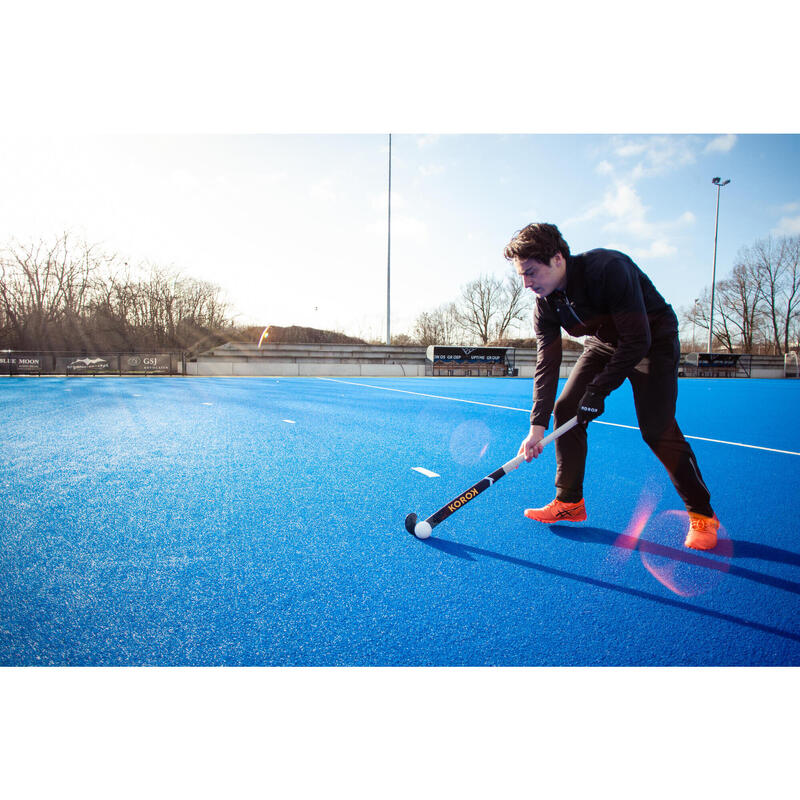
631 332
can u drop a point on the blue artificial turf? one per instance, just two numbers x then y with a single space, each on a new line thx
173 521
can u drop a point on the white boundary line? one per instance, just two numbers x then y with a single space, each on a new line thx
421 394
528 411
741 444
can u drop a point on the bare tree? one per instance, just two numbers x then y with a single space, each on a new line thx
46 288
517 306
439 326
739 307
426 330
791 289
69 295
690 320
794 333
488 306
778 270
478 305
758 306
697 315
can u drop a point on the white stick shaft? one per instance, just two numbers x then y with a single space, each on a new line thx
567 426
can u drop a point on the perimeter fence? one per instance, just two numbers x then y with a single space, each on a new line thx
15 362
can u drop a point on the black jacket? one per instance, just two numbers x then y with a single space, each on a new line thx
612 302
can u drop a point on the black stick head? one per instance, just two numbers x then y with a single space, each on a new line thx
411 521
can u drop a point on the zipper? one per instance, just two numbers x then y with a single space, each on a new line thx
563 302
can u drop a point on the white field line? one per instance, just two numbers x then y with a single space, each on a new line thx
421 394
426 472
528 411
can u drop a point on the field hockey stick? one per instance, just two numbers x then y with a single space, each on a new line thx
422 530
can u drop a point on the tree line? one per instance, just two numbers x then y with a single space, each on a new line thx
756 308
67 295
484 313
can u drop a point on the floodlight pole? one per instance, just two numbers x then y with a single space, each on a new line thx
389 252
719 185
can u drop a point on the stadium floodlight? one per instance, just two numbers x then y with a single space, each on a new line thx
389 253
719 183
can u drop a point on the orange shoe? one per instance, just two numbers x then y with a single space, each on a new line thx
557 511
702 532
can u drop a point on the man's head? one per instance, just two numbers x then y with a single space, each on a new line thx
539 254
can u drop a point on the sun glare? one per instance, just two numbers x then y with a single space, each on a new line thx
686 573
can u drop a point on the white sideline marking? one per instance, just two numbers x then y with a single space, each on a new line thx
426 472
704 439
290 421
421 394
528 411
740 444
207 404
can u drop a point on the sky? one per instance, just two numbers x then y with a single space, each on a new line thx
294 227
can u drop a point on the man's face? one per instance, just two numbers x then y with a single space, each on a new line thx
542 279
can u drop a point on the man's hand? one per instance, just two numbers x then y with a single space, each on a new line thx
591 407
531 445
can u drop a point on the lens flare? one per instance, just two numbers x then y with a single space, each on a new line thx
686 573
639 520
469 442
626 542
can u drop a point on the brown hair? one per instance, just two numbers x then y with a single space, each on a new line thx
539 241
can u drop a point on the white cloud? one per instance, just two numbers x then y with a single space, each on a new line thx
428 140
630 149
624 203
427 170
721 144
787 226
656 155
622 213
324 190
660 248
604 168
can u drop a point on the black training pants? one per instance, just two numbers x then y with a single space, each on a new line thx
655 394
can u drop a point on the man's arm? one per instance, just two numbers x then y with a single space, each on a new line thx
548 365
